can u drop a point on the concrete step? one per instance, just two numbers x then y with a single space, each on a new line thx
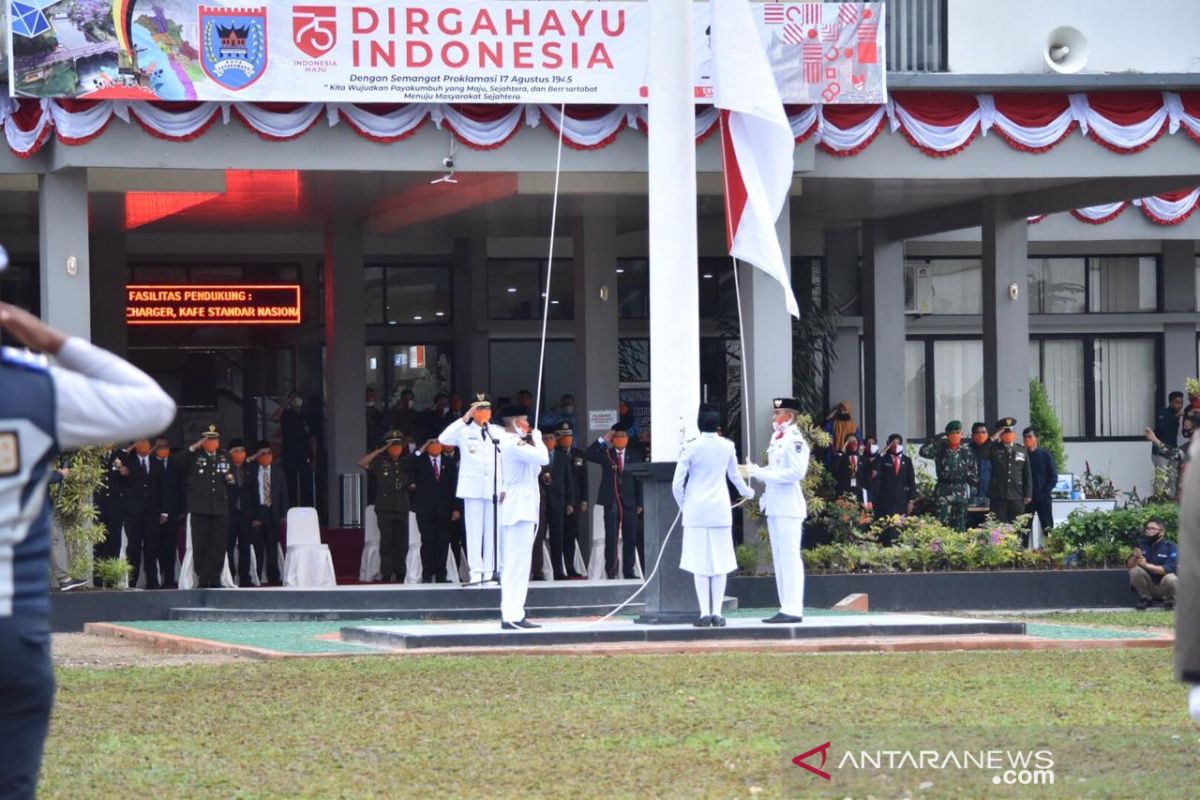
326 614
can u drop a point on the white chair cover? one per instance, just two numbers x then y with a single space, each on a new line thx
547 565
412 559
308 562
580 566
369 568
187 569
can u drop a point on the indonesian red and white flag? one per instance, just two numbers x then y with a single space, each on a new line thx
756 142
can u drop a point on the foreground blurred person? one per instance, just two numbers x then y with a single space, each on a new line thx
91 397
1187 617
702 494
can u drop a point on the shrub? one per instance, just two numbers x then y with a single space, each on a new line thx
112 572
1043 418
1121 526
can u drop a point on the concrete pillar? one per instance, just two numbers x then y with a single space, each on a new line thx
596 373
841 276
674 284
64 251
110 275
464 318
1005 318
345 353
480 348
1179 295
883 332
768 331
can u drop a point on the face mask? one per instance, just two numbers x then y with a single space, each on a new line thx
852 448
163 452
619 442
370 404
142 448
841 416
265 459
954 439
238 457
521 426
896 447
211 445
1008 437
979 438
874 449
448 449
408 404
394 450
297 402
566 441
1153 535
434 449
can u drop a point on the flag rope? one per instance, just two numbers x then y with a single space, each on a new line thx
537 398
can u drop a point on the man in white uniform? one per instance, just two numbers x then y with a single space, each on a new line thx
783 503
523 457
478 483
702 494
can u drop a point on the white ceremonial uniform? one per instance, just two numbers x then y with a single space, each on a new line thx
519 512
476 465
783 503
701 492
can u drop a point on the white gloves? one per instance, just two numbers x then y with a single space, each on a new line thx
1194 703
749 495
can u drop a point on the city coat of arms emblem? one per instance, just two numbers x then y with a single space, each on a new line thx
233 49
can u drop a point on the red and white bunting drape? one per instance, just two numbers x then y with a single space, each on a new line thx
939 124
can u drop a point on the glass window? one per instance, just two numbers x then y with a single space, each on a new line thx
516 288
633 360
957 381
418 295
808 276
373 296
944 285
1123 283
633 288
718 296
1125 385
1057 285
423 368
1058 364
914 383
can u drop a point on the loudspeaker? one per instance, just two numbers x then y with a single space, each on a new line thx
1065 50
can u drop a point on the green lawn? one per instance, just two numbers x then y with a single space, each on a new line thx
1149 619
566 727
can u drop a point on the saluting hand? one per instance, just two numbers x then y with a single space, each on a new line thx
30 331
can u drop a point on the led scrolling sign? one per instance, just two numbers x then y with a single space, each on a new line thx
275 304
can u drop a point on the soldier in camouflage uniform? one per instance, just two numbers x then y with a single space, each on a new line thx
957 475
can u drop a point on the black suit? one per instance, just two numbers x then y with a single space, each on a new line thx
892 490
263 531
578 531
620 494
558 489
434 501
111 509
851 474
142 500
241 511
173 508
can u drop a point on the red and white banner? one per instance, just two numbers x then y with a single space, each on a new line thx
757 144
416 51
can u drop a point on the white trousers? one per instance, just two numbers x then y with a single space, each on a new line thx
477 514
516 557
789 566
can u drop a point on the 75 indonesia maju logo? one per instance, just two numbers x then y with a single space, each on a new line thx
314 29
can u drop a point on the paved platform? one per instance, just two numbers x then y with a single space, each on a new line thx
489 634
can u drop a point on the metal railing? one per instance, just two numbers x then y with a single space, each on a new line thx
916 35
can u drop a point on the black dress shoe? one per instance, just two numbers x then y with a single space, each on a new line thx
1143 603
524 623
703 622
574 576
560 577
509 626
782 618
718 621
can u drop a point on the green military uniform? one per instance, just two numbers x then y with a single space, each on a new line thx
207 492
392 479
957 476
1012 480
